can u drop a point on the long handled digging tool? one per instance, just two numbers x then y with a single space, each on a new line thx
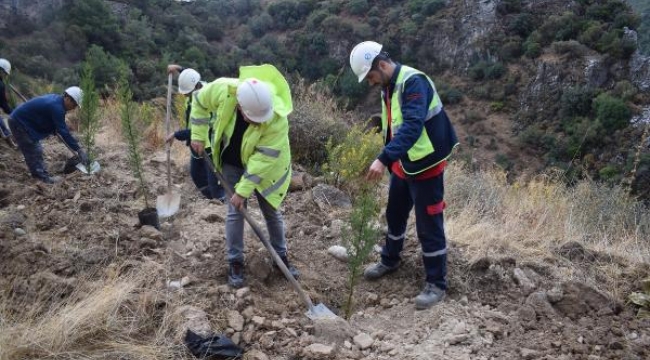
318 311
168 204
84 168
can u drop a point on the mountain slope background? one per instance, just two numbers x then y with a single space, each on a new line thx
532 85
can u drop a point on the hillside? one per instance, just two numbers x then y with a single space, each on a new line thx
537 270
532 85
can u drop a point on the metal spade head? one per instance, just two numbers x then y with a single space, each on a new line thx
168 204
320 311
94 167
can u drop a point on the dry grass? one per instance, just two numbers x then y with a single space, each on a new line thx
530 219
114 319
316 118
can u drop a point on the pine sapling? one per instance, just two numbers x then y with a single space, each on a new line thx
130 133
89 114
362 235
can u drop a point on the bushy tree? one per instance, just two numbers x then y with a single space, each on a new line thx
611 112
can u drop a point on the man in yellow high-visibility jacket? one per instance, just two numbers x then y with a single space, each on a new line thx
250 146
419 138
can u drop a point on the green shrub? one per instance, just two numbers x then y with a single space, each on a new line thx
487 70
625 90
570 48
497 106
472 117
609 173
508 7
532 49
424 7
504 162
576 101
612 112
511 50
450 95
521 24
349 159
357 7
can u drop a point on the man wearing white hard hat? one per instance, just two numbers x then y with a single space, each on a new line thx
189 82
39 118
5 70
419 138
250 146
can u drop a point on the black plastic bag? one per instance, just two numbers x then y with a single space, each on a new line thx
213 347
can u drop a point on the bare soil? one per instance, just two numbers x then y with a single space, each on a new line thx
78 230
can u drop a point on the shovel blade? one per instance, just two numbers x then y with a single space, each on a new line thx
94 167
320 311
168 204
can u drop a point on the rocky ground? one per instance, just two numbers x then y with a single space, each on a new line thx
55 239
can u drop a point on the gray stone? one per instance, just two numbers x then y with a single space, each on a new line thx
258 320
151 232
327 197
528 353
539 302
319 351
527 286
235 320
256 355
363 340
243 292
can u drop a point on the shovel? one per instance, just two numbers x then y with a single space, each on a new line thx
168 204
318 311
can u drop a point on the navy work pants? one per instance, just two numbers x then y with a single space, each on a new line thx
426 196
32 150
204 178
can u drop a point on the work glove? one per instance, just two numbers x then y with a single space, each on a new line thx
83 157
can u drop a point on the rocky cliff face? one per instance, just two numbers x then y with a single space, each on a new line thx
33 10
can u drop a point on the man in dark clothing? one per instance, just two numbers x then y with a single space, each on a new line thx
189 82
418 140
39 118
5 70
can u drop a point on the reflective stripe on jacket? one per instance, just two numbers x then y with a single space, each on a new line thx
265 151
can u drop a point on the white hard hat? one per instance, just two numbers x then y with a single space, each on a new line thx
256 100
362 56
5 65
75 93
187 81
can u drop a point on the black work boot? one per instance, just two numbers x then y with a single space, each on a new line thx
236 274
292 270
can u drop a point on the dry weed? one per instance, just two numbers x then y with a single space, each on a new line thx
530 220
114 318
315 120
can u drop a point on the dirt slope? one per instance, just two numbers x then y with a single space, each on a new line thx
81 230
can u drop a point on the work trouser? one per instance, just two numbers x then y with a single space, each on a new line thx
32 150
3 128
235 221
204 178
427 198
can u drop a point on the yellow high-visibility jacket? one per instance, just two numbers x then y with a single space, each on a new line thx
265 151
